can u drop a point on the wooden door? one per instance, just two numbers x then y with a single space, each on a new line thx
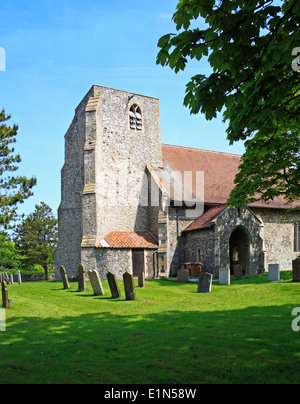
138 263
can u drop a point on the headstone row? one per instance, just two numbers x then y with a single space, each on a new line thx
9 279
97 284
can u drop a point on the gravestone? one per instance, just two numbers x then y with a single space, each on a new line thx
113 285
129 286
141 279
204 282
6 301
19 278
81 278
224 276
296 270
238 271
11 279
274 272
64 277
96 283
183 276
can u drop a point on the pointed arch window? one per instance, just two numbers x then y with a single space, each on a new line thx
135 117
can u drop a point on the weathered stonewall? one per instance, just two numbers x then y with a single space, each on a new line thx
19 278
183 276
96 283
6 301
224 276
129 286
141 279
64 277
274 272
204 282
237 271
81 278
296 270
113 285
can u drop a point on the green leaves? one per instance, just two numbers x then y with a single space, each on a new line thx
249 47
270 168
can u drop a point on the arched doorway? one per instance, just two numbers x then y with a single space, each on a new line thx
239 246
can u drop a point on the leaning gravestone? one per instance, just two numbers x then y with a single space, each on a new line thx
64 277
183 276
274 272
96 283
113 285
224 276
296 270
6 302
129 286
141 279
81 278
19 278
204 282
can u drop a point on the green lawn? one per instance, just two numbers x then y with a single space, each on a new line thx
170 334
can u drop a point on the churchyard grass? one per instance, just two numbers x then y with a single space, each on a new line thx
170 334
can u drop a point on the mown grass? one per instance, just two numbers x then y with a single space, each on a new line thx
170 334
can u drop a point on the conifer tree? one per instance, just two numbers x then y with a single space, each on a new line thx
13 189
36 237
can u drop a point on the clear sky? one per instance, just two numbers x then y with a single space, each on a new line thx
56 50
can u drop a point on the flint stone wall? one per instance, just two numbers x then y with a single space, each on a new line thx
278 236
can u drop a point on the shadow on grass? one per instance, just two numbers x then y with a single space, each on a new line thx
252 345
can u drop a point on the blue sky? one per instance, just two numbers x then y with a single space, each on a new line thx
56 50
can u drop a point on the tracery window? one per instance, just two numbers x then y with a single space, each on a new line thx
135 117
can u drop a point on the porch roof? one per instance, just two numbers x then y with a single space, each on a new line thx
125 239
206 220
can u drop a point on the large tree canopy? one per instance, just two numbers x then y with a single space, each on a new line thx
13 189
251 47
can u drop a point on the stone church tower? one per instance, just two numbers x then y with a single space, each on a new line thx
113 136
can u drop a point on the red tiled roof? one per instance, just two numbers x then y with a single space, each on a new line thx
124 239
205 221
219 170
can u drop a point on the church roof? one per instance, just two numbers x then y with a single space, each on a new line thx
219 170
125 239
206 220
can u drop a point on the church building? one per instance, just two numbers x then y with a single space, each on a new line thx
131 203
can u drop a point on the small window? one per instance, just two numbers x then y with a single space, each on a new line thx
199 254
296 237
135 118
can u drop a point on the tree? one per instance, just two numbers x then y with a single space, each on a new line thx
36 237
254 83
13 189
8 254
